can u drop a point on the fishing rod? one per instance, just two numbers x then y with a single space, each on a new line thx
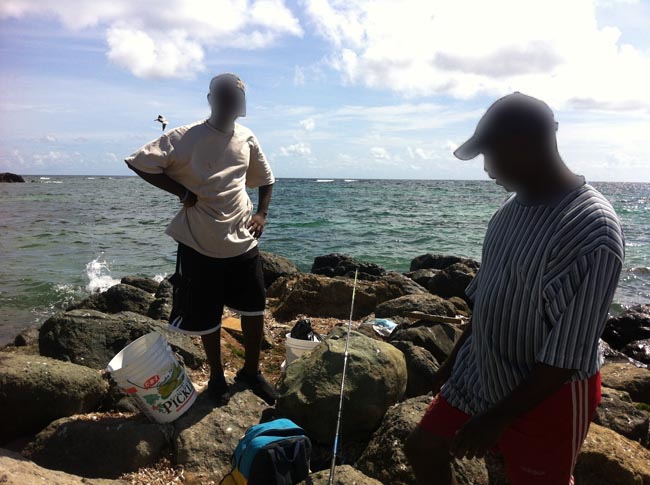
345 367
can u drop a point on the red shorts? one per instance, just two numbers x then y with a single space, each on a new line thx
541 446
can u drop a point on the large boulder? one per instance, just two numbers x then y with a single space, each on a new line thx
161 307
146 284
376 378
384 458
618 413
639 350
343 265
322 296
631 325
438 338
419 302
99 446
611 355
15 469
421 368
11 177
92 338
36 390
440 261
452 281
608 458
626 377
206 436
343 475
422 276
118 298
274 266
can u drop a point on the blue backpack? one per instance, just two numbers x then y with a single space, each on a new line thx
273 453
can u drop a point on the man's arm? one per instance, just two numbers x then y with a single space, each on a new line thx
258 221
447 366
483 431
167 184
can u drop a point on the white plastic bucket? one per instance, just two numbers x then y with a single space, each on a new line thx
297 347
147 370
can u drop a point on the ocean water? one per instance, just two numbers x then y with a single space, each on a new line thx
63 237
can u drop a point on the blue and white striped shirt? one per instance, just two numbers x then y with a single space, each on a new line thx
547 279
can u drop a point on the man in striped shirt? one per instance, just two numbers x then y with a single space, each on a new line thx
524 378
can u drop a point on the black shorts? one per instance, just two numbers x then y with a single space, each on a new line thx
204 285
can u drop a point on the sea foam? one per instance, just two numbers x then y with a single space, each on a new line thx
99 276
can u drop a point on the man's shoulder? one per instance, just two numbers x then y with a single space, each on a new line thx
178 132
244 132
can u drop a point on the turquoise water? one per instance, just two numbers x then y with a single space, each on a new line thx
64 236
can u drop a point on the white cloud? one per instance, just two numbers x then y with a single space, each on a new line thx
552 49
308 124
301 149
380 153
298 76
168 40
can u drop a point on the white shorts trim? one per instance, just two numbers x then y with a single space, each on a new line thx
191 332
248 314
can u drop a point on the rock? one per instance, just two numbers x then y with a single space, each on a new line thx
322 296
452 281
438 338
617 413
274 266
611 355
344 475
28 336
626 377
206 436
36 390
343 265
421 368
165 289
384 458
145 284
15 469
440 261
92 338
99 446
118 298
422 276
462 308
608 458
639 350
308 391
631 325
160 309
419 302
11 177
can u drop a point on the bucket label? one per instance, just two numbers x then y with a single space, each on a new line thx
152 381
173 393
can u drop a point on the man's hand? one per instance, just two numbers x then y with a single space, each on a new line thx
256 225
478 436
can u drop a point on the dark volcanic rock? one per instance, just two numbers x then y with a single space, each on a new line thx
118 298
308 391
146 284
421 368
420 302
28 336
35 390
322 296
638 350
618 413
626 377
92 338
274 266
101 447
384 458
629 326
452 281
611 355
422 276
10 177
438 338
344 475
440 261
343 265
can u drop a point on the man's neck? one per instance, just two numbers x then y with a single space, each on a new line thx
223 125
555 182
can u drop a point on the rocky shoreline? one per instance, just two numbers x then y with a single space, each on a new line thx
63 421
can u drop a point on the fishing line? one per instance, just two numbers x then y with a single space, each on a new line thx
345 367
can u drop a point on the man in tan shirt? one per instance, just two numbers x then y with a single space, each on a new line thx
208 165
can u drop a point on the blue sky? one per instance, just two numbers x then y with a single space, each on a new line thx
347 89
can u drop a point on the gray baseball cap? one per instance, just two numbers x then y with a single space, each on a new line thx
515 113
